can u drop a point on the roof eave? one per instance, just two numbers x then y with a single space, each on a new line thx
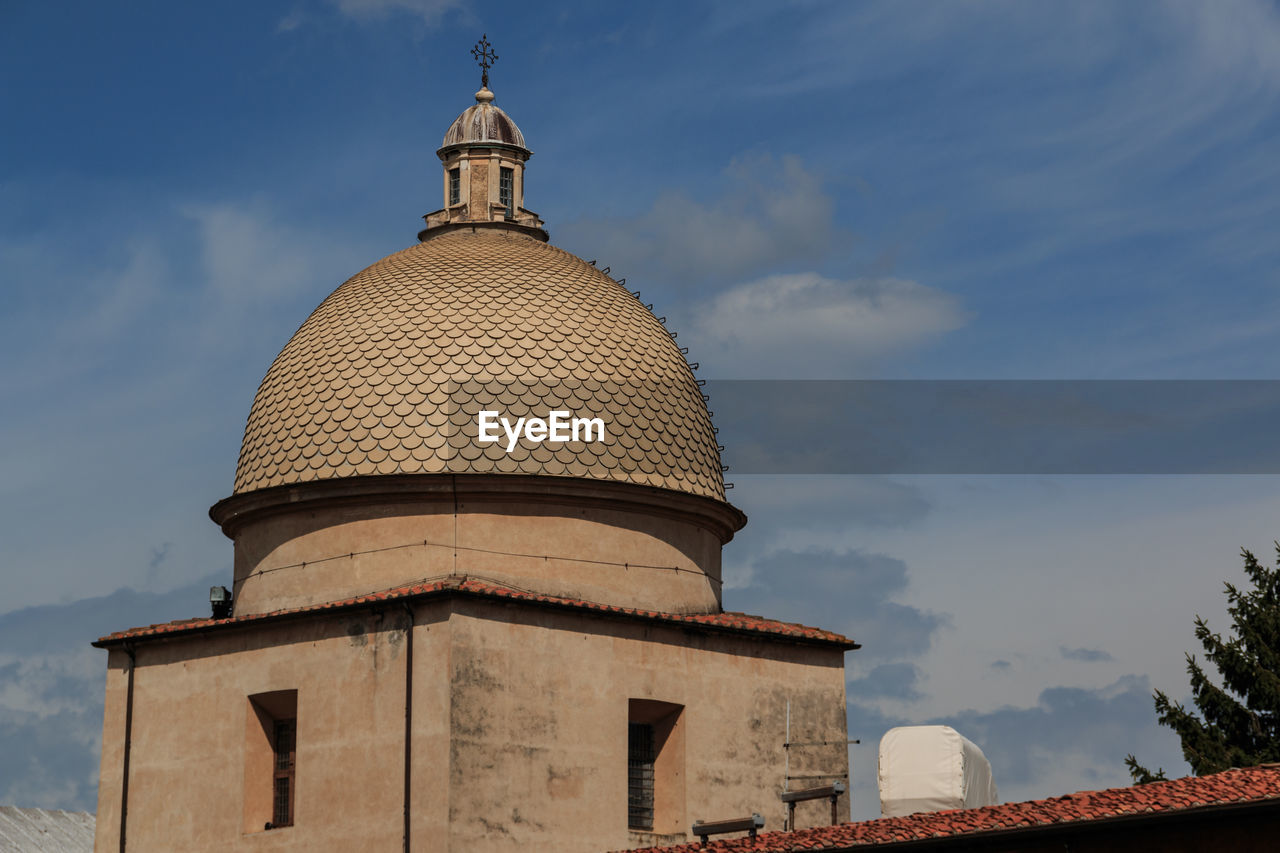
454 588
444 151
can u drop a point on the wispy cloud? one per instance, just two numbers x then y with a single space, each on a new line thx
850 591
1066 155
769 215
1086 655
1070 727
764 212
291 21
135 383
1233 37
888 681
430 11
51 690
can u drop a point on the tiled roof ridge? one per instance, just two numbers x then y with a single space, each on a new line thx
1230 787
471 585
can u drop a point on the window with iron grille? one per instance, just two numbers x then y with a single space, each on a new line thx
455 186
270 753
506 187
640 756
283 740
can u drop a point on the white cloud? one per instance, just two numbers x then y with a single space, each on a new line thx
51 690
769 213
804 325
36 684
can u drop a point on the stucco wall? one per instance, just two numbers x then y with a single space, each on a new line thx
309 555
111 768
190 703
519 728
540 708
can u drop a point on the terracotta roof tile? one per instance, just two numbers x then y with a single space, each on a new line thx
459 585
1248 785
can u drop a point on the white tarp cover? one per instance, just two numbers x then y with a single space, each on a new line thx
932 768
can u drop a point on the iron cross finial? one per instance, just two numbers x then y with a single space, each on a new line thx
485 57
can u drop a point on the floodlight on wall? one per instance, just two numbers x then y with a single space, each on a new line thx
220 601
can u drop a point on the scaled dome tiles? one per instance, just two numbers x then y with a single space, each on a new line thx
389 374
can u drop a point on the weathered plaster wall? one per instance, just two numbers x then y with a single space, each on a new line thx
186 780
519 728
478 199
540 708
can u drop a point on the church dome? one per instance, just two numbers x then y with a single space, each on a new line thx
483 123
388 375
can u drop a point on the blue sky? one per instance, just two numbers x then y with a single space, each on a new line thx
980 190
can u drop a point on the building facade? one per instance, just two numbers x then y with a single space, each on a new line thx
448 636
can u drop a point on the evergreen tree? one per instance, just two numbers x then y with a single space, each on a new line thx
1239 722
